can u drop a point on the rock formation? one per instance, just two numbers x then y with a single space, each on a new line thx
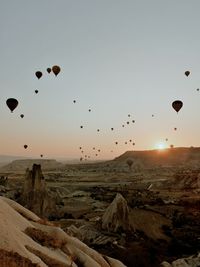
193 261
28 241
35 196
116 216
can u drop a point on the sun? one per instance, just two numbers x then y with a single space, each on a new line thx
160 146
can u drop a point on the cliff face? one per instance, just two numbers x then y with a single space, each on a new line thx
35 196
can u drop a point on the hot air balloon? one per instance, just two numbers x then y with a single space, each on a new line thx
130 140
152 115
12 103
171 146
116 143
129 115
80 147
25 146
81 127
177 105
127 122
89 110
41 156
197 89
133 121
74 101
125 143
49 70
38 74
187 73
112 129
56 69
93 148
99 150
96 155
133 144
98 130
36 91
123 125
166 139
22 116
175 129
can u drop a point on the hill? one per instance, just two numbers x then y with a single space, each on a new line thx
171 157
23 164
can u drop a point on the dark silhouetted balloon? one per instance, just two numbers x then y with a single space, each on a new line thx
98 130
177 105
36 91
93 148
38 74
81 127
187 73
133 121
12 103
56 69
125 143
80 147
99 150
22 116
89 110
152 115
123 125
49 70
197 89
41 156
25 146
112 129
171 146
129 115
127 122
175 129
166 139
74 101
116 143
133 144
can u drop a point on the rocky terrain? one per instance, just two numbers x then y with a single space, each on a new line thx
142 216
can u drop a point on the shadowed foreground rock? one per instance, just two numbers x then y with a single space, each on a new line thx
28 241
116 217
35 196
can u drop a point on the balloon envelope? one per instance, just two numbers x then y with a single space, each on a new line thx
177 105
56 69
22 116
25 146
12 103
38 74
48 70
187 73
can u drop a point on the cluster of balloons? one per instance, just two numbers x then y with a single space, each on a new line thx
55 69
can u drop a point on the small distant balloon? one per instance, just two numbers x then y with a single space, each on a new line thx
177 105
93 148
152 115
130 140
112 129
127 122
41 156
12 103
98 130
116 143
125 143
133 144
133 121
56 69
38 74
80 147
25 146
123 125
197 89
171 146
36 91
129 115
175 128
89 110
49 70
166 139
81 126
187 73
99 150
22 116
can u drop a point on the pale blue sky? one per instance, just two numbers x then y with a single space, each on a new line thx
117 58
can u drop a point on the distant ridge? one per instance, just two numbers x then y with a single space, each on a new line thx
23 164
166 157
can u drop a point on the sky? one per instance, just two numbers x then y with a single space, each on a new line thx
117 57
